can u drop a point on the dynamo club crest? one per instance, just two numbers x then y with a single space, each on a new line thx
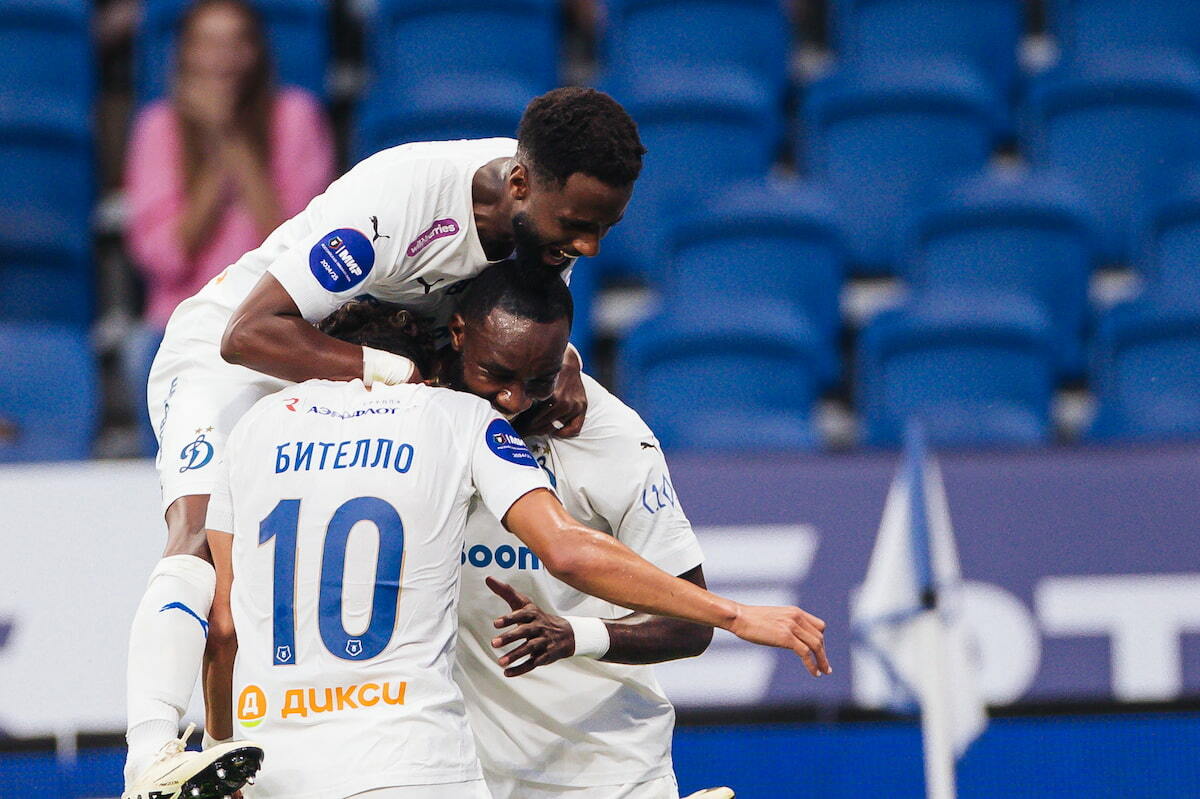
196 454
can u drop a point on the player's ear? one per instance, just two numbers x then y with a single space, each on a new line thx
518 181
458 327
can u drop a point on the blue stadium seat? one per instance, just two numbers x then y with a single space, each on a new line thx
703 130
55 410
1169 240
976 370
47 155
1015 232
887 137
45 51
474 110
413 42
982 33
46 201
1116 126
645 38
1147 372
1089 27
45 269
298 32
746 377
761 239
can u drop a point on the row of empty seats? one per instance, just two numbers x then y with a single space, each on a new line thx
888 140
748 375
421 37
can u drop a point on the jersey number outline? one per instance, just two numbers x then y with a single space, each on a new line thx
282 524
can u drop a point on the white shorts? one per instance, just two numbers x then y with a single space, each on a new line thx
475 789
194 399
504 787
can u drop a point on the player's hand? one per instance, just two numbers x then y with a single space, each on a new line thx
788 628
546 637
561 415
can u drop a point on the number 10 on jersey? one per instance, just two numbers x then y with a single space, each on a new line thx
282 525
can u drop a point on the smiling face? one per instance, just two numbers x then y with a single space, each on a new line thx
508 360
553 223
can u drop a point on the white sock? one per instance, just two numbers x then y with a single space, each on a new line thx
166 648
144 741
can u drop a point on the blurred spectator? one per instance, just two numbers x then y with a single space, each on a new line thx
215 168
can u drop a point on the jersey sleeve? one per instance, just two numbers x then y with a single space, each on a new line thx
502 468
355 230
632 490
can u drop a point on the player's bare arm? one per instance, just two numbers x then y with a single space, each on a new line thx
636 639
268 334
598 564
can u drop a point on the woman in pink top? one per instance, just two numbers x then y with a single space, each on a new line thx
219 165
215 168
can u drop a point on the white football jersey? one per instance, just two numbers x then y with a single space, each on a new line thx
347 508
577 722
399 226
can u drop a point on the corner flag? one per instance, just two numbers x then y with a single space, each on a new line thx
908 616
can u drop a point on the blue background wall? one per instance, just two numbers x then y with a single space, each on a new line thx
1090 756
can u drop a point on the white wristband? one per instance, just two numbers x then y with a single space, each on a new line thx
208 742
591 636
385 367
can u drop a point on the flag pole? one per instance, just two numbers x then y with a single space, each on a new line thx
935 735
936 738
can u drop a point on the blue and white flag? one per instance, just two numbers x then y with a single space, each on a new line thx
907 618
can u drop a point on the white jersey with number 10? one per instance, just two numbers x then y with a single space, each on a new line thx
347 508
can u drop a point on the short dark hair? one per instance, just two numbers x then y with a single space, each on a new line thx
525 291
383 326
574 129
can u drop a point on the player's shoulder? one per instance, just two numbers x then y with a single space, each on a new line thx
609 421
438 157
458 408
292 400
257 420
410 187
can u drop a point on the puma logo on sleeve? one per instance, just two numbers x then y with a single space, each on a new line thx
378 235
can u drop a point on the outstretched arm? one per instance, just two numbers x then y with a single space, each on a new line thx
598 564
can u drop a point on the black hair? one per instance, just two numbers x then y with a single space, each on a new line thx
525 291
574 129
383 326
